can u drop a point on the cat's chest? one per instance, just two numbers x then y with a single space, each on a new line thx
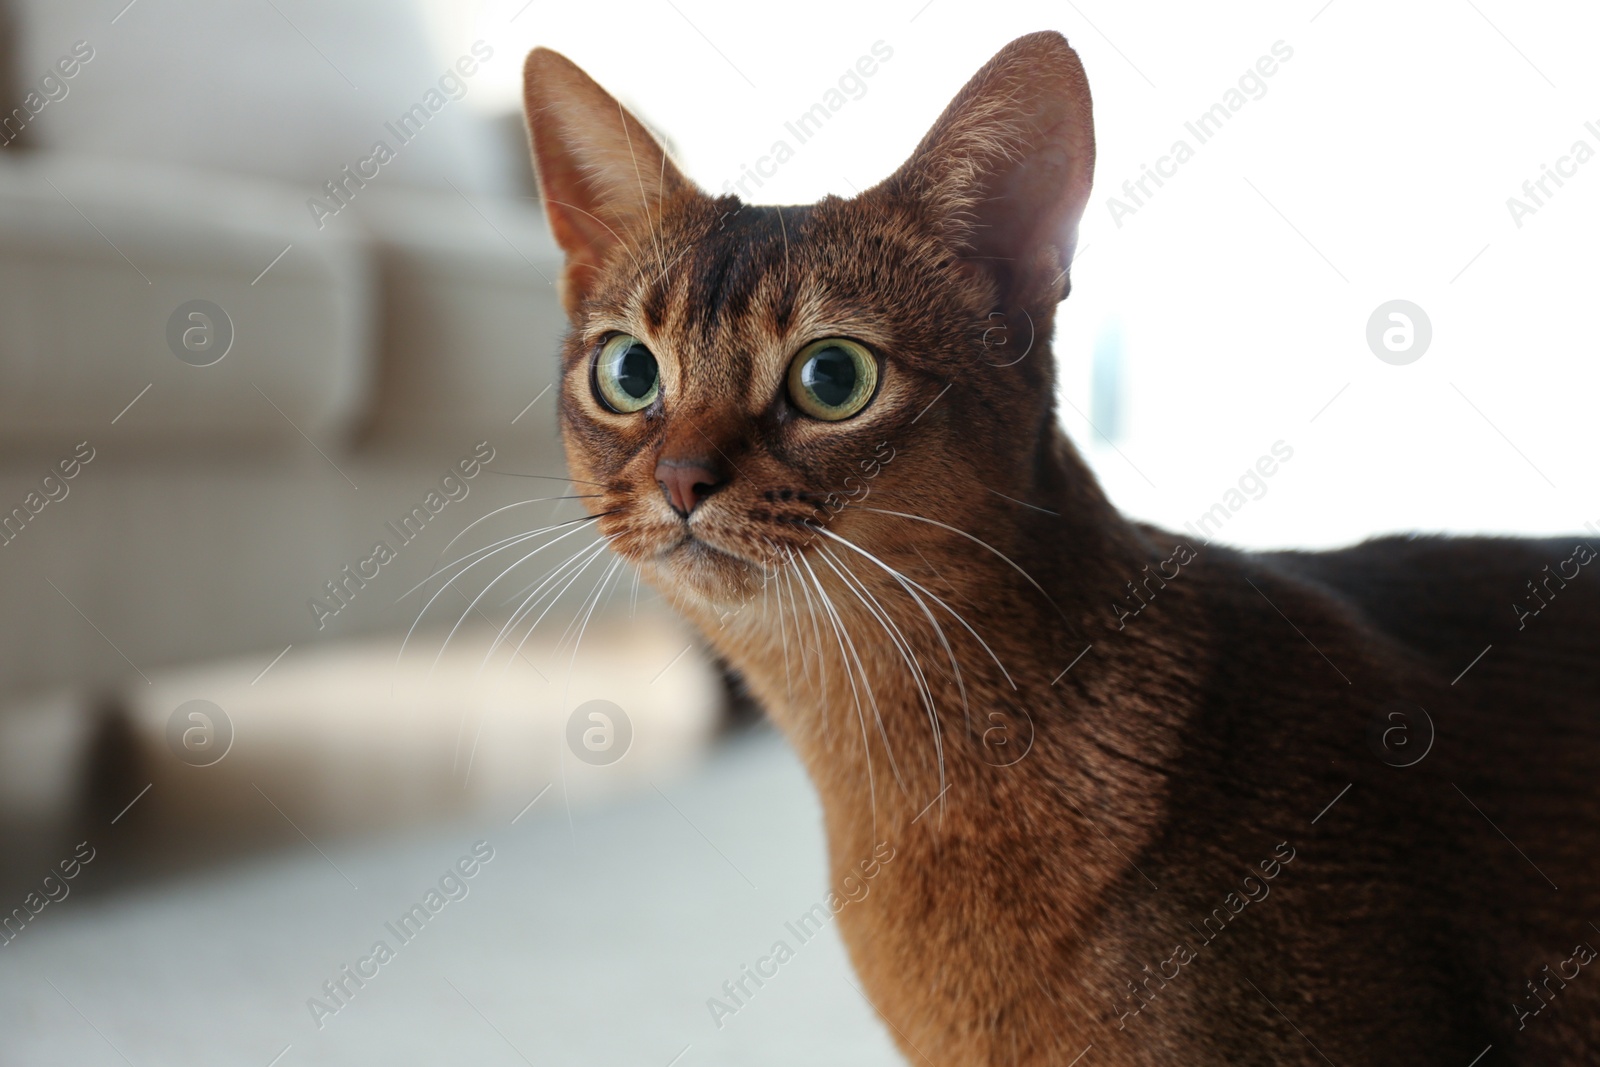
977 955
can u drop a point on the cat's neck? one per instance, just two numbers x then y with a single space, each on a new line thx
959 665
1031 774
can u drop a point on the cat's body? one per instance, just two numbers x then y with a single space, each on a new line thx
1404 928
1192 831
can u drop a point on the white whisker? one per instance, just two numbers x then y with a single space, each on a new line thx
436 570
861 718
901 645
473 605
783 635
556 598
521 539
784 580
531 595
578 561
593 594
614 588
493 547
976 541
842 631
566 689
910 585
816 631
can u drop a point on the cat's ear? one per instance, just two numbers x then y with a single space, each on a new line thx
1004 174
602 176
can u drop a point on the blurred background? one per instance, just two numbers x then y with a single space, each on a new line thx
275 408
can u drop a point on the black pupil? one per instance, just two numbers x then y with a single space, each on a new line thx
831 376
636 372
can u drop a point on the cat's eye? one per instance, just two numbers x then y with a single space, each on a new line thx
625 375
832 379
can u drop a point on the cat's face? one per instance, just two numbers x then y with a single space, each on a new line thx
759 377
741 382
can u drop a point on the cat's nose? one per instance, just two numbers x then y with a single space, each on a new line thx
686 482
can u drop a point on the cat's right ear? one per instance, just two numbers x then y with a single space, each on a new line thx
1004 174
602 176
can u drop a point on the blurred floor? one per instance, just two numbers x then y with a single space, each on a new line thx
596 940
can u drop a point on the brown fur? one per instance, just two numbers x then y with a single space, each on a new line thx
1058 831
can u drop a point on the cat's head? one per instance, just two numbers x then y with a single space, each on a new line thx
739 378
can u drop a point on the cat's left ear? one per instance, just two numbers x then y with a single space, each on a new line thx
1004 174
602 176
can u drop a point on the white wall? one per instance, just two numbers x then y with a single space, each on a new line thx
1376 166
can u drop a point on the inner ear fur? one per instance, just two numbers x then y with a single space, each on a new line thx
603 178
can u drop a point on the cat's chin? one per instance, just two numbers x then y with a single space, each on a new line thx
698 568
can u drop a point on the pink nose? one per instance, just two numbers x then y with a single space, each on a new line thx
686 482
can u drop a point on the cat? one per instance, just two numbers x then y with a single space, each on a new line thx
1280 815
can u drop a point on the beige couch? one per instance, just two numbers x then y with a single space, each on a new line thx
217 500
215 506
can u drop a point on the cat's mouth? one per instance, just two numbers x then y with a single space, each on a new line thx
712 569
695 549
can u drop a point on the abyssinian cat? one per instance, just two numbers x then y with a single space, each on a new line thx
1146 801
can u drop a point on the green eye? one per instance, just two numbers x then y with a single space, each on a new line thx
832 379
626 375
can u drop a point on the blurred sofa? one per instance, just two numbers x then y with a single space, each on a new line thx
367 353
216 397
